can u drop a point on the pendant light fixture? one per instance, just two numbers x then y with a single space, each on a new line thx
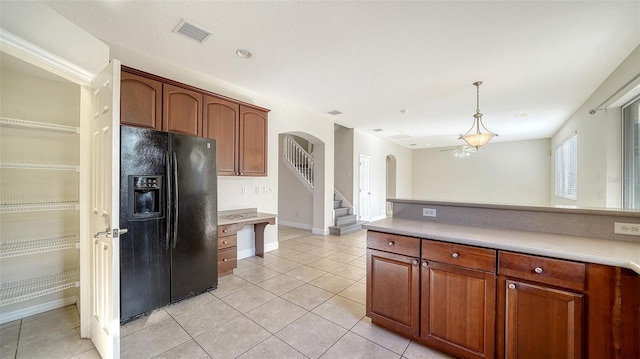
478 135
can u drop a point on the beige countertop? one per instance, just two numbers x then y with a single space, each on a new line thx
244 216
624 254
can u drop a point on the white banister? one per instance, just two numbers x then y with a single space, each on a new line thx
299 160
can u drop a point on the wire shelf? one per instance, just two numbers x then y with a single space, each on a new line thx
39 166
38 207
25 289
15 123
38 245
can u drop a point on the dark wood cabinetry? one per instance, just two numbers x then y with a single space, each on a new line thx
182 112
221 122
541 308
240 130
484 303
252 142
458 299
227 249
140 101
393 282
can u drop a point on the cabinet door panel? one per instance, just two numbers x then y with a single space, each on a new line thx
458 309
253 142
140 101
542 322
182 110
221 122
393 291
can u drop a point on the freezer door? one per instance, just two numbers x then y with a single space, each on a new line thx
194 259
145 256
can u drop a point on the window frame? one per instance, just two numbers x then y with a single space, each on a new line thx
566 175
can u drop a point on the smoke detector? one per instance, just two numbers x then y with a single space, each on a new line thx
191 31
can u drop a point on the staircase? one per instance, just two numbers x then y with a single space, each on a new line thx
345 222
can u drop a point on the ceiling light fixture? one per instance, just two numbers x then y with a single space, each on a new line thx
243 53
475 137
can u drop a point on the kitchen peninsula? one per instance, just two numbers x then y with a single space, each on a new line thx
232 221
484 281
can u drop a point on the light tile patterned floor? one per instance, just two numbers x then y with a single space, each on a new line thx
304 300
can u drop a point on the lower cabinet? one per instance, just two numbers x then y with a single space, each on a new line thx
393 282
476 302
458 298
227 249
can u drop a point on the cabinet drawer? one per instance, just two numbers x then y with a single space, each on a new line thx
227 259
228 241
558 272
408 246
460 255
227 230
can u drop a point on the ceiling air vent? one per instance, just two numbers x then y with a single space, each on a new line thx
194 32
334 113
399 136
377 130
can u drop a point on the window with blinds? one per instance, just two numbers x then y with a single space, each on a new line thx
567 168
631 155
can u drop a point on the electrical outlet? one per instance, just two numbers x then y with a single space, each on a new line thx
630 229
257 190
244 190
429 212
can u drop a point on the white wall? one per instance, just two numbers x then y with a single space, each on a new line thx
282 118
295 202
502 172
378 149
343 163
600 140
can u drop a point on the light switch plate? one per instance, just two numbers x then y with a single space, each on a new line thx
428 212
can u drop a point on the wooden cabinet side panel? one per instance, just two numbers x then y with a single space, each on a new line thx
182 110
458 310
542 322
393 291
140 101
253 142
221 122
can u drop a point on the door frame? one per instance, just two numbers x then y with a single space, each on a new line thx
364 194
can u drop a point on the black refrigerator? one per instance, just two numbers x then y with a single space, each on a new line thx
168 202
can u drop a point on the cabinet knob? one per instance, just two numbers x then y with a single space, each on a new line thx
512 286
415 262
225 260
455 255
225 230
224 242
424 264
391 243
538 270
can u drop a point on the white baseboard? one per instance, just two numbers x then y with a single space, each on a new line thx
37 309
252 251
295 224
320 231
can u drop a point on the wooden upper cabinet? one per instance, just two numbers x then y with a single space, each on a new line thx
253 142
221 122
182 110
140 101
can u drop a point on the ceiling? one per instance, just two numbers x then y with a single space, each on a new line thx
404 67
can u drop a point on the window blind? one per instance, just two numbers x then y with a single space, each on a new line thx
567 168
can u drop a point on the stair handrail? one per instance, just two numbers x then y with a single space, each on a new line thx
299 159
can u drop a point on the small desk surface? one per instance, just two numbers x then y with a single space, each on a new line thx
245 216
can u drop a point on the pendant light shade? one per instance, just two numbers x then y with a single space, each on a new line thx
478 135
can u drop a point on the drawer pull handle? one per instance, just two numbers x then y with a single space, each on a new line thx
538 270
225 230
455 255
224 242
415 262
425 264
512 286
391 243
225 260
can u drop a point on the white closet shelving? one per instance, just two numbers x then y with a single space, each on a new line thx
39 195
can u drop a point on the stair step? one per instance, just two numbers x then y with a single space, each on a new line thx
337 203
342 211
344 229
348 219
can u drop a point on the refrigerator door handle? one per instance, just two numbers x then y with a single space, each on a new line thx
175 185
169 200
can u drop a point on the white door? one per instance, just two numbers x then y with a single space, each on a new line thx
365 187
105 211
